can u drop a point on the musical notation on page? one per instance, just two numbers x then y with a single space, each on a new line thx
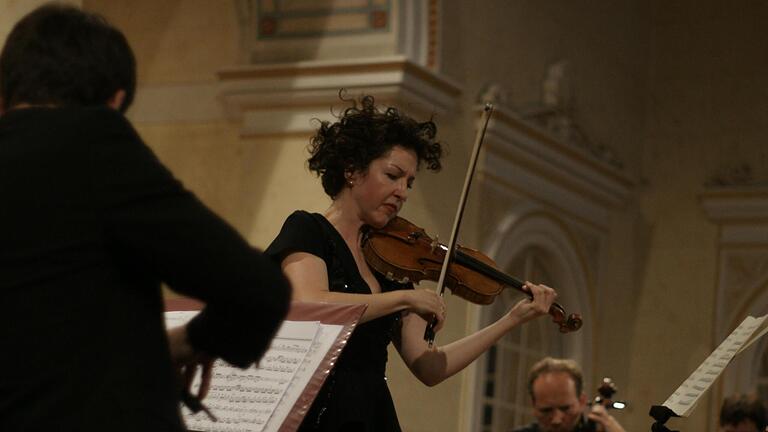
684 399
326 336
275 395
245 400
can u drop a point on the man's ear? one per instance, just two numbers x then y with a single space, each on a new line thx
117 99
583 400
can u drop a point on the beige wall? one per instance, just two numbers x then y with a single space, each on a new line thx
12 10
175 41
706 113
676 90
253 183
605 44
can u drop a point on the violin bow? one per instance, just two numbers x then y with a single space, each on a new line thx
429 333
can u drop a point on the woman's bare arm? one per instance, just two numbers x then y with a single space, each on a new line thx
309 277
433 365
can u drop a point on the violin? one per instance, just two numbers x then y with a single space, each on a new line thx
403 252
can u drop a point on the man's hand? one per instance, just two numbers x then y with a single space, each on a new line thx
605 421
187 361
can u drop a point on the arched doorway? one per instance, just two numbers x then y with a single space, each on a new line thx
533 246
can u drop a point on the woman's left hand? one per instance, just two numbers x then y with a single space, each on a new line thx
530 308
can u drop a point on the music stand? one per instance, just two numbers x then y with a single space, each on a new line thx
345 315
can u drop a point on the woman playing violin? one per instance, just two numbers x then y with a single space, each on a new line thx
368 161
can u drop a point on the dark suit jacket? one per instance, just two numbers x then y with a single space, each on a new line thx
581 426
90 224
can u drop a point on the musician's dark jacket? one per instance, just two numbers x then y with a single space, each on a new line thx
533 427
581 426
91 223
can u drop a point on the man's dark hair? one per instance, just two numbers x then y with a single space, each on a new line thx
363 134
740 407
551 365
61 55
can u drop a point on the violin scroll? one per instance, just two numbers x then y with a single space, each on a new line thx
605 395
567 324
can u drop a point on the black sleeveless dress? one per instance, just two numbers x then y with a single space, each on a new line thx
355 397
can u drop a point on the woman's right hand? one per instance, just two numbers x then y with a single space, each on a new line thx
427 304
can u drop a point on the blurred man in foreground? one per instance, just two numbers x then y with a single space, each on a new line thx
90 224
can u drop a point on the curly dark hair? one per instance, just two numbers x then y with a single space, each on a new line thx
363 134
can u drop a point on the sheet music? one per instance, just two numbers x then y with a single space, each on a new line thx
244 400
325 338
685 398
762 330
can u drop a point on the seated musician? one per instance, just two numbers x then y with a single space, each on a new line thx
743 413
559 401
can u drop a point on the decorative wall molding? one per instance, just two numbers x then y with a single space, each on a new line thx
540 174
284 98
420 32
273 32
740 175
552 196
281 20
729 206
521 154
526 226
555 114
742 244
741 214
287 79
